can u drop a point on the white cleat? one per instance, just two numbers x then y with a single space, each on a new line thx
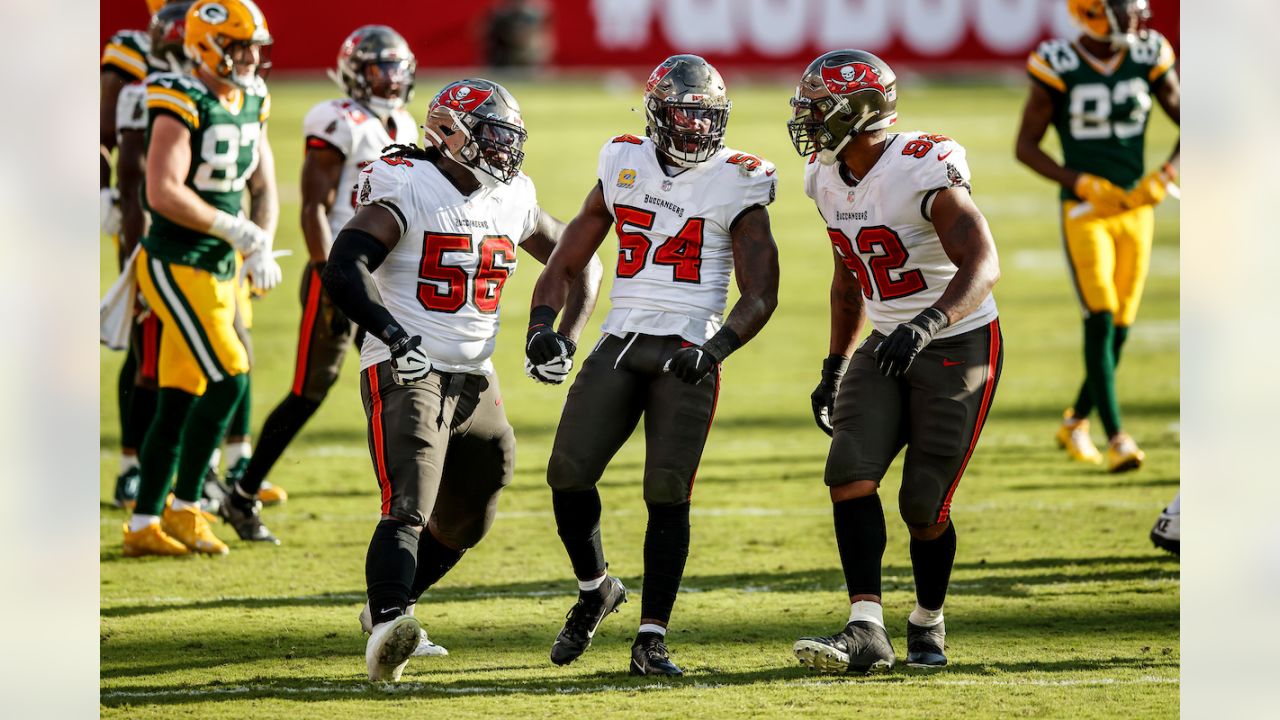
1166 534
425 648
390 646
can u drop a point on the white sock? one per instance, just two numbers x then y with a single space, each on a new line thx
138 522
127 463
215 460
236 451
867 611
589 585
183 504
1175 507
652 628
925 618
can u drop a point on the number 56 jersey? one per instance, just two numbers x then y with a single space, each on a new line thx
443 280
882 230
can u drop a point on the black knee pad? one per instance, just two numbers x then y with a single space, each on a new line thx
666 487
565 473
919 501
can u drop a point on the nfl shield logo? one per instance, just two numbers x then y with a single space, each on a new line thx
851 196
666 185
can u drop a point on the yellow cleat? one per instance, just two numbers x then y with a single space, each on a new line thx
191 528
1123 454
1073 436
151 540
271 494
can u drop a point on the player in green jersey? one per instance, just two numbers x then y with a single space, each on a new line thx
1096 91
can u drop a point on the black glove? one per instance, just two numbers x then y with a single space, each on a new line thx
896 353
542 344
693 363
824 396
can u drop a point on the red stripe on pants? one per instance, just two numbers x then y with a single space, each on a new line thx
988 391
379 444
304 333
715 400
150 346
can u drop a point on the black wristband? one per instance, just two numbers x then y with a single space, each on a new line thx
834 366
396 339
931 320
542 315
722 344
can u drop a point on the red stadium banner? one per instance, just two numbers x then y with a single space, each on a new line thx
758 35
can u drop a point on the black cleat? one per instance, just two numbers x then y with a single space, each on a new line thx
246 519
862 647
649 657
583 619
925 645
127 484
214 493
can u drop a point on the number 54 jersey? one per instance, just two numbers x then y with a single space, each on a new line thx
443 280
675 252
882 230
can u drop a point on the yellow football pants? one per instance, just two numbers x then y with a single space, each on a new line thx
1110 257
200 344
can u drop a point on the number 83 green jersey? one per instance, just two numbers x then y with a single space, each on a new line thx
1100 108
224 153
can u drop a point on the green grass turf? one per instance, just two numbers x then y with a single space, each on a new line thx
1059 606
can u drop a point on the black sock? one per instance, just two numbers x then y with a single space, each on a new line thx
142 409
578 522
666 547
434 560
130 433
389 569
277 432
860 535
931 562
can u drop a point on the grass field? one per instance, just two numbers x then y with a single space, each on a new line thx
1059 606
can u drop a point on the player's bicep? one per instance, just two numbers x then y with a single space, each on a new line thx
961 227
1037 115
583 235
1169 94
169 152
321 172
546 235
755 254
378 221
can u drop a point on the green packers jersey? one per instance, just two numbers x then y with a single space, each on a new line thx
224 153
128 52
1100 108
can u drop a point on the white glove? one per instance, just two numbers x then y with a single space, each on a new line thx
109 207
262 270
409 363
241 232
551 372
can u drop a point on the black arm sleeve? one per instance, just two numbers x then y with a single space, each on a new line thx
348 279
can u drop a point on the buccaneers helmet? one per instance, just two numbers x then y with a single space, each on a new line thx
841 94
219 30
686 109
476 123
167 28
375 68
1115 21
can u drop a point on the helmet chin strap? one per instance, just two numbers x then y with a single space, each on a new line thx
829 157
485 179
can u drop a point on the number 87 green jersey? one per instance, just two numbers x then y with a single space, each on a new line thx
224 153
1100 108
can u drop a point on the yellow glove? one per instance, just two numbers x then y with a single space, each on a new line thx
1153 187
1102 194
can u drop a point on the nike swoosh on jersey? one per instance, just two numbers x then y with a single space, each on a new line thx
946 155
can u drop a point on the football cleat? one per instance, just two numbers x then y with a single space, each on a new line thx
925 645
862 647
1123 454
390 646
1166 534
1073 436
584 617
649 656
246 519
151 540
127 483
236 472
214 492
425 648
189 527
271 494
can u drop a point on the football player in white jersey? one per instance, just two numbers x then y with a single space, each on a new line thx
687 211
421 268
913 253
375 69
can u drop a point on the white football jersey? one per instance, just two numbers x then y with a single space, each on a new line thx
131 108
675 252
353 130
444 279
882 231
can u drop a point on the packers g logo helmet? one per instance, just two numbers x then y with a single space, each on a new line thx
153 6
1113 21
217 29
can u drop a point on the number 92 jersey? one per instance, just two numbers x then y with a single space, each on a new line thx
882 230
443 280
675 251
224 153
1100 109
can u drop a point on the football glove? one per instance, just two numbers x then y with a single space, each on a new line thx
552 372
824 396
692 364
1102 194
896 353
409 363
241 232
262 270
1153 187
542 344
109 215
